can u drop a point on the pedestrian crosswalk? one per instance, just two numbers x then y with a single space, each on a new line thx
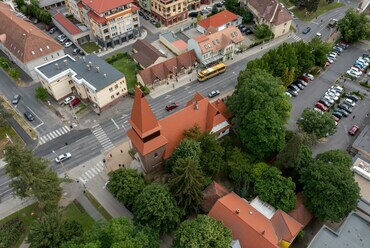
102 137
92 172
54 134
296 37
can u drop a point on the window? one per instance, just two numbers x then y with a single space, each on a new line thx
112 97
155 154
285 24
58 54
117 94
116 86
110 89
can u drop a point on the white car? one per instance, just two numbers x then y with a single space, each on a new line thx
332 57
332 96
330 60
69 99
288 94
362 61
61 37
350 73
334 92
318 110
329 99
63 157
68 44
336 88
367 59
356 70
350 102
310 76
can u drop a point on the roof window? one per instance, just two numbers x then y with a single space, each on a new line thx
40 49
33 53
47 47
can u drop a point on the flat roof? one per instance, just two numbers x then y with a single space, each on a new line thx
362 143
171 37
79 66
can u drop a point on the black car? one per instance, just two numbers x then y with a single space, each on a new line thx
243 29
352 97
366 55
52 30
248 31
299 85
326 103
338 115
141 13
220 5
306 30
146 17
29 116
344 113
293 92
337 51
345 107
293 87
76 51
152 21
193 14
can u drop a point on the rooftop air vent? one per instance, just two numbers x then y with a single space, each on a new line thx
105 75
56 66
65 62
237 211
97 69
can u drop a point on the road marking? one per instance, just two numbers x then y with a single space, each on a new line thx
115 123
84 178
39 125
58 132
97 168
42 140
95 126
96 172
100 165
67 128
49 137
6 191
6 182
125 122
88 175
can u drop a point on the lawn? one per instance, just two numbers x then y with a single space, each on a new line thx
323 7
15 139
90 47
128 67
74 211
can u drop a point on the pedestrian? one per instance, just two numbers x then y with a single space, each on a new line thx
353 117
121 151
110 155
367 115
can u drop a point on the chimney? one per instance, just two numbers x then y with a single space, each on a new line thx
65 62
97 69
56 66
105 75
237 211
88 67
195 105
84 59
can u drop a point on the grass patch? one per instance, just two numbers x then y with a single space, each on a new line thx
365 84
74 212
323 7
90 47
128 67
81 107
99 207
8 130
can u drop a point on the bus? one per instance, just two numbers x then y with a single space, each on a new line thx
211 72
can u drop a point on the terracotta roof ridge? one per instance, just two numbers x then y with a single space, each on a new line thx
286 218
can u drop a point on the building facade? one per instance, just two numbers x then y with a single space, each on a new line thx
169 12
219 21
90 78
111 22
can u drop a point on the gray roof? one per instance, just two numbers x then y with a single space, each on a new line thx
362 142
171 37
354 233
79 66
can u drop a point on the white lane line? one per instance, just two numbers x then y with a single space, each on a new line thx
95 126
89 172
115 123
6 191
39 125
6 182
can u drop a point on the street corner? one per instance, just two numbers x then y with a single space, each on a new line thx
119 157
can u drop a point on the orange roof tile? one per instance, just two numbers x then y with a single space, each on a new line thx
218 19
96 18
146 147
101 6
180 44
286 228
300 213
67 24
211 194
23 39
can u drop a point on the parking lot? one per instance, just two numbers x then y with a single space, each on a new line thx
308 97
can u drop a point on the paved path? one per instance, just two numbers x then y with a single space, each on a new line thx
90 209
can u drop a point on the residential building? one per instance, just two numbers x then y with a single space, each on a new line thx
48 4
193 4
219 21
361 170
255 224
90 78
24 43
168 70
111 22
146 54
173 42
211 194
144 5
216 47
78 34
154 140
271 13
169 12
361 146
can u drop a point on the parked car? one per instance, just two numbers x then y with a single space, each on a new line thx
171 106
331 95
213 93
146 17
220 4
288 94
352 97
16 99
141 13
76 51
333 91
293 87
309 76
293 92
338 115
193 14
343 112
68 44
248 31
304 83
336 118
64 40
350 73
61 37
338 50
318 110
298 84
74 102
354 129
29 116
329 60
328 99
63 157
345 107
68 99
337 88
349 102
152 21
52 30
325 102
306 30
321 106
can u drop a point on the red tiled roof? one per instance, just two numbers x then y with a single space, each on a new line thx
180 44
211 194
134 7
101 6
271 11
300 213
24 40
67 24
218 19
95 17
286 228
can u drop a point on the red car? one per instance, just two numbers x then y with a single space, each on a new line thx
354 129
74 102
321 106
304 78
171 106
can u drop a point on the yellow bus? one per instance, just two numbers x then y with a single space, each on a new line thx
211 72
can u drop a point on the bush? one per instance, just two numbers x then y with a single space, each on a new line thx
365 84
144 89
262 31
108 60
315 71
4 63
10 232
158 25
131 91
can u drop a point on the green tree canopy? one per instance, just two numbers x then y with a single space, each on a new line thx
354 26
276 190
317 123
125 185
319 50
261 111
14 73
263 31
337 157
232 5
202 231
211 158
41 94
186 184
155 207
330 189
312 5
186 148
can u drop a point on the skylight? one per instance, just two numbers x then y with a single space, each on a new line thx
33 53
47 47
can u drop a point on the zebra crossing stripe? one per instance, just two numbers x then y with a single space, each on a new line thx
89 172
67 128
98 169
49 137
62 131
58 132
88 175
81 180
55 134
42 140
100 165
93 170
84 178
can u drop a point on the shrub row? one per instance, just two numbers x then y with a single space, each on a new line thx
116 57
10 232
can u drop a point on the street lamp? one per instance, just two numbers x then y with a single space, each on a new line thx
61 162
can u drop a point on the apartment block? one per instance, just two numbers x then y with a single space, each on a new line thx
111 22
170 12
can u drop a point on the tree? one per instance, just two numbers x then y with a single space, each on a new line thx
202 231
46 231
261 111
232 5
14 73
186 148
317 123
336 157
186 184
319 50
4 63
32 177
41 94
199 17
263 31
246 15
312 5
354 26
125 185
214 10
155 207
289 157
330 189
211 158
291 74
276 190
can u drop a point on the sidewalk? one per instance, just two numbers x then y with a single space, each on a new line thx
189 78
90 209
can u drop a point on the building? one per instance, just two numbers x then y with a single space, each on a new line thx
168 70
211 194
48 4
170 12
111 22
300 213
361 146
25 44
78 34
255 224
90 78
145 54
361 170
219 21
173 42
216 47
271 13
154 140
